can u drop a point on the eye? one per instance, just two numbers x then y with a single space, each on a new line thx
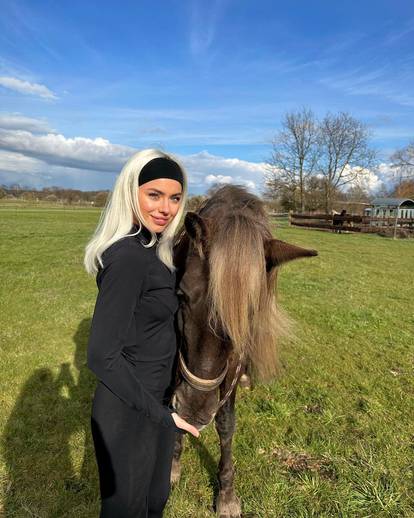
181 295
176 198
153 195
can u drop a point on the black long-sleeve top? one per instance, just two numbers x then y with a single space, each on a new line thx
132 341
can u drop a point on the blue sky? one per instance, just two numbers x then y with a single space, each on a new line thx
85 84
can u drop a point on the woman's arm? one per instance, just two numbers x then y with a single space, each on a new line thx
121 281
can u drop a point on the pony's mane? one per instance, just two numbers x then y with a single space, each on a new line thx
241 295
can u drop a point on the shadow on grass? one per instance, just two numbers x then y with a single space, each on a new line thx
47 443
209 464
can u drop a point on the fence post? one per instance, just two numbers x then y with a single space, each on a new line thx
395 224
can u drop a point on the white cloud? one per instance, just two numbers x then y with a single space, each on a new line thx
386 175
385 171
95 154
206 168
26 152
211 178
13 162
373 179
34 158
24 87
251 185
19 169
369 181
16 168
220 179
382 176
206 160
372 182
15 121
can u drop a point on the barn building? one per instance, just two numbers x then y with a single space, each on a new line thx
387 207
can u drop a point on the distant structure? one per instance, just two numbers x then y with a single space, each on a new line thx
388 207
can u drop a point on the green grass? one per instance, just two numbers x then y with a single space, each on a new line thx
333 436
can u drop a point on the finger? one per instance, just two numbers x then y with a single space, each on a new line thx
194 431
190 428
185 425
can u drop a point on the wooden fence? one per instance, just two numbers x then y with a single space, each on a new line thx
350 223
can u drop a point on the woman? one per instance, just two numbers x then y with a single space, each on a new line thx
132 342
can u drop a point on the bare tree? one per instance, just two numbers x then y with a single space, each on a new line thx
383 191
345 153
101 198
357 193
294 156
402 161
315 194
404 189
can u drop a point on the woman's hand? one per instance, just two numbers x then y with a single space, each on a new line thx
184 425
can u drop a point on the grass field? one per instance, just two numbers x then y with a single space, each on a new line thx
333 436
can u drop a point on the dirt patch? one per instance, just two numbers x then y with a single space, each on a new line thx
313 409
301 462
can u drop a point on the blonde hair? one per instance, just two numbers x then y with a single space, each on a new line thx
122 205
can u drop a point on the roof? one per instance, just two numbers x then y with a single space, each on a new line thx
391 202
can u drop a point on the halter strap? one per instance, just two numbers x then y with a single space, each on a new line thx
205 385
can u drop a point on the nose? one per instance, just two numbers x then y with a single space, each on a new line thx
165 206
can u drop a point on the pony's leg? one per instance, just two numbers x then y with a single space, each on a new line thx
176 463
227 503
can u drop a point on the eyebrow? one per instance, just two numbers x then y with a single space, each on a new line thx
160 192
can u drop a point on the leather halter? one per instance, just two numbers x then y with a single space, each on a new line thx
205 385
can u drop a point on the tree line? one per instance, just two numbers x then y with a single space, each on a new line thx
314 161
70 196
54 194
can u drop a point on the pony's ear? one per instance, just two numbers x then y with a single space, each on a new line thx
195 227
278 252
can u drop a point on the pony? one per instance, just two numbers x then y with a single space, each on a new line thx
338 220
228 321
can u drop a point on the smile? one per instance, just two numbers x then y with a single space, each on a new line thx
159 221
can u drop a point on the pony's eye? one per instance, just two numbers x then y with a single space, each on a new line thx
181 295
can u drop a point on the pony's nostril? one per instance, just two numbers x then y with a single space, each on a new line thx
174 401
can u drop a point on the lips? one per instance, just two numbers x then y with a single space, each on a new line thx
160 221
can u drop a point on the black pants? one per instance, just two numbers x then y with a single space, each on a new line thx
134 457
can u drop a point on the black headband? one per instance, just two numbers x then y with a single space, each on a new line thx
160 168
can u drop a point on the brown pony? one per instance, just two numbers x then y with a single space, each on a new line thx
228 321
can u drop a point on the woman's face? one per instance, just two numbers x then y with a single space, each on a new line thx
159 201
